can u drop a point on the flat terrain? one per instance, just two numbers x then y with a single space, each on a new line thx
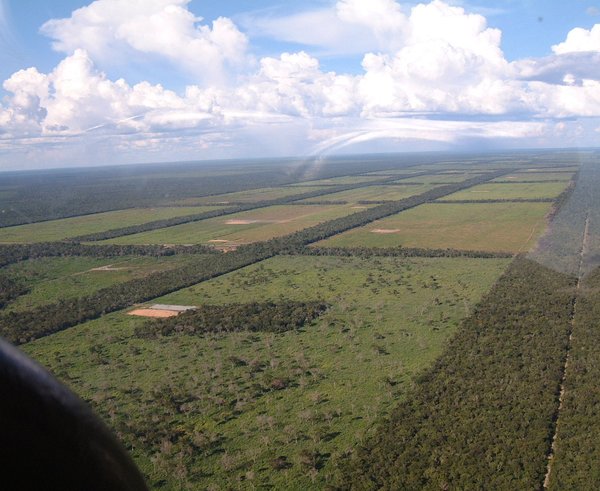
341 373
374 193
440 178
338 181
505 227
517 190
241 228
56 278
88 224
536 176
252 196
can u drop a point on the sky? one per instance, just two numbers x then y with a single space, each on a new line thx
125 81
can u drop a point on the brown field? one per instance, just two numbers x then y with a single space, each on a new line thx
153 313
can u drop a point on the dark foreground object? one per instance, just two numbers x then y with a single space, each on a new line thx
49 439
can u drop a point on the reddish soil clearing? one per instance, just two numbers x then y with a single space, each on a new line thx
153 313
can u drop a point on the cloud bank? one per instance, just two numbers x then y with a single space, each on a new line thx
432 73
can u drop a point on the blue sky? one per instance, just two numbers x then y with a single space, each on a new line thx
120 81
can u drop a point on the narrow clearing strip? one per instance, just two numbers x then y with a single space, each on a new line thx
561 396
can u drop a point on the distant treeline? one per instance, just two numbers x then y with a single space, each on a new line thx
28 197
399 252
482 416
171 222
268 316
41 321
13 253
578 431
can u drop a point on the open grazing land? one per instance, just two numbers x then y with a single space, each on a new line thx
242 228
508 227
399 322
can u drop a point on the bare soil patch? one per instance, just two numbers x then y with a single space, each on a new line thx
153 313
385 230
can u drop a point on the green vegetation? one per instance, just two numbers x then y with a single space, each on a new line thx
536 177
55 230
241 228
338 181
482 417
503 227
376 193
254 316
241 409
511 190
255 195
575 461
50 280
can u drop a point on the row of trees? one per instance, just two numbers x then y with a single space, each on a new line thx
11 287
14 253
268 316
398 252
482 416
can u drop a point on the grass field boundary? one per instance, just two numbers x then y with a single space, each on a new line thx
499 200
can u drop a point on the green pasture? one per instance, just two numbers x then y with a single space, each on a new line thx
55 230
52 279
203 413
374 193
502 227
243 227
516 190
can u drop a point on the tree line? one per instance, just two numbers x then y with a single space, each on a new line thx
14 253
482 416
398 251
268 316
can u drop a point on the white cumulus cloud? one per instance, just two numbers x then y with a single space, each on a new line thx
579 39
165 28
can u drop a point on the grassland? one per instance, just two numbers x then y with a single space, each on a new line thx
203 411
52 279
70 227
516 190
337 181
252 195
536 176
440 178
374 193
243 227
502 227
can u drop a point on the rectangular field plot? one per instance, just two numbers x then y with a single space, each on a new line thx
55 230
501 227
241 228
517 190
52 279
256 396
337 181
253 195
440 178
374 193
536 176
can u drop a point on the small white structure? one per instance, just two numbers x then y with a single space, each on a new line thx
173 308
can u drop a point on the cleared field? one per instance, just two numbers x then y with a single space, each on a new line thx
536 176
252 196
437 178
257 408
374 193
53 279
517 190
54 230
241 228
502 227
337 181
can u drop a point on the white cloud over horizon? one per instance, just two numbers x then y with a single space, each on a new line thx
432 73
